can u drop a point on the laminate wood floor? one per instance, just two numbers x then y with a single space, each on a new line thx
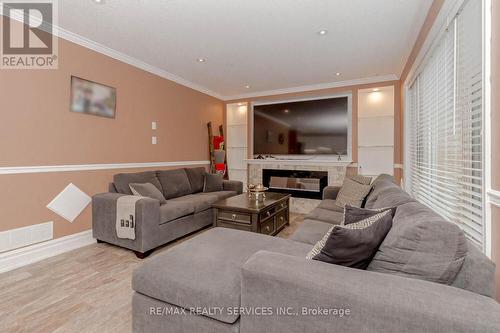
85 290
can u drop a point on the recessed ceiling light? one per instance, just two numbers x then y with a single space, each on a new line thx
201 59
99 1
247 86
322 32
376 89
338 74
286 111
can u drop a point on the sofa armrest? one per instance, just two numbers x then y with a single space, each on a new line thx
233 185
369 301
331 192
147 217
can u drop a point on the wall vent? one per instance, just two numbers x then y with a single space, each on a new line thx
21 237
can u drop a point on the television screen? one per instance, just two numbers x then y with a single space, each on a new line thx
310 127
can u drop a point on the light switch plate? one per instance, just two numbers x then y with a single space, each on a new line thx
153 125
153 140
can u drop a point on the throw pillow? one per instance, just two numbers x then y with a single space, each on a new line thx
355 214
147 190
355 244
365 180
352 193
213 182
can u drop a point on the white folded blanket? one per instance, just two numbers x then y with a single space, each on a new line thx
125 216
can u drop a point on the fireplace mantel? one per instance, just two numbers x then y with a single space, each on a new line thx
301 162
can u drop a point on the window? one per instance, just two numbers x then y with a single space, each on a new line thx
445 125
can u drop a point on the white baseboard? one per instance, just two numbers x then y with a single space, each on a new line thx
27 255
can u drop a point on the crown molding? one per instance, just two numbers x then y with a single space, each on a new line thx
112 53
328 85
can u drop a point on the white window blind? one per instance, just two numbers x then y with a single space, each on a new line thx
445 125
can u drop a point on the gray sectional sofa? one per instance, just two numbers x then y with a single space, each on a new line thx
187 208
425 278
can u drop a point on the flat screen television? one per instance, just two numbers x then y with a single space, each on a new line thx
311 127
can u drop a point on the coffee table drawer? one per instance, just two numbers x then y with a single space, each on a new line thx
234 217
267 213
281 219
224 224
268 227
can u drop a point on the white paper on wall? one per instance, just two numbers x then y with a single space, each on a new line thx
69 203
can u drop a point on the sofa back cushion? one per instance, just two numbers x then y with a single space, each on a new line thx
175 183
196 178
123 180
422 245
390 197
380 184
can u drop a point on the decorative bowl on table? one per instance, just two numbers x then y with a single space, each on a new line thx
256 192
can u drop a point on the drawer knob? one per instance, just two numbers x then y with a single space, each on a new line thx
233 216
268 228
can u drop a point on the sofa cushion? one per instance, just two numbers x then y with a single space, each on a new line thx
356 214
196 178
147 190
422 245
354 244
213 182
123 180
175 183
203 201
179 276
392 196
219 194
379 185
173 210
330 205
352 193
326 215
310 231
477 273
365 180
199 202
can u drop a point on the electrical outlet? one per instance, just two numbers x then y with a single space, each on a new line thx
153 125
153 140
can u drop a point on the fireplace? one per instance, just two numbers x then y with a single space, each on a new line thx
299 183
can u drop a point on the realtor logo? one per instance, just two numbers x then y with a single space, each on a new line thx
27 39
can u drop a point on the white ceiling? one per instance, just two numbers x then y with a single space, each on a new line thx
268 44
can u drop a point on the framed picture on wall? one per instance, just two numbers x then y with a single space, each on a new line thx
92 98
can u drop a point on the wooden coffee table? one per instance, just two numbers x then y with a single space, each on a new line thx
242 213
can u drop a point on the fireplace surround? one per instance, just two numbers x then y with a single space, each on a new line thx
298 183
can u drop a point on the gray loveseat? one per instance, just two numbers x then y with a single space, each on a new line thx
187 208
424 278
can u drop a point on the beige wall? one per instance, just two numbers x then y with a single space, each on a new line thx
353 89
37 128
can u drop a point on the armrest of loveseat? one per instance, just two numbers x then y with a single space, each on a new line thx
147 217
331 192
321 297
233 185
